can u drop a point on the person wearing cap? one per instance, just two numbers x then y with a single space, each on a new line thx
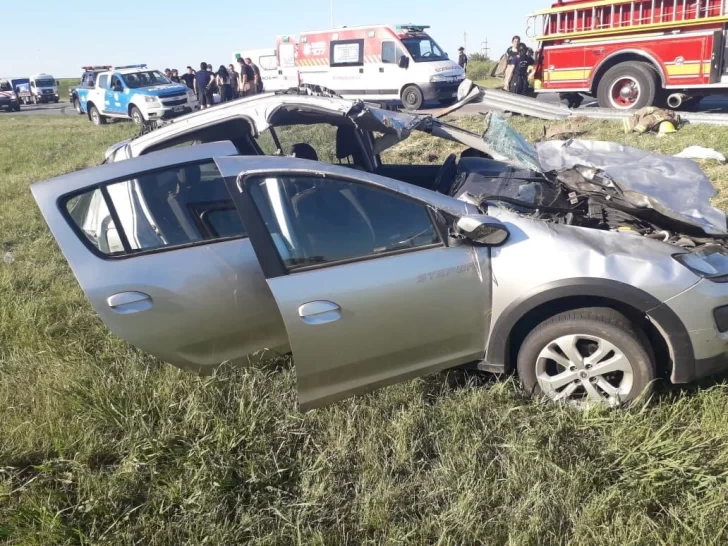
175 76
463 59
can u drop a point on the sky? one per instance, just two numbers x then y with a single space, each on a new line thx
57 38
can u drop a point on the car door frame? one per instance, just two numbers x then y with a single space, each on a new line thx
203 275
478 266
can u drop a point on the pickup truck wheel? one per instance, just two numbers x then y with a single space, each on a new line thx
587 356
96 117
77 106
136 116
412 97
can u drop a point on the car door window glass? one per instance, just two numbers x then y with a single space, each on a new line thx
315 221
103 81
163 209
388 52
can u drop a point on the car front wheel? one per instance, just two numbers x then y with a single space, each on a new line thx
586 356
136 115
412 97
77 106
96 116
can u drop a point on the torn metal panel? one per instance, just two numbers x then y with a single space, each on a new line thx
674 187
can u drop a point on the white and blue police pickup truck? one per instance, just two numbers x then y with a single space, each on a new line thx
137 93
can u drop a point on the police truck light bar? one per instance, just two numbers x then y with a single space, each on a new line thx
130 66
105 67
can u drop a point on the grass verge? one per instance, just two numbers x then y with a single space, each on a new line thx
100 444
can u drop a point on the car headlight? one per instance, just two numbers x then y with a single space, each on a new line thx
710 261
150 100
440 78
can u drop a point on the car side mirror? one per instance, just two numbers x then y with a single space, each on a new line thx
403 61
483 229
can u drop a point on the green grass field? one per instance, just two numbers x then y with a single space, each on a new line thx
100 444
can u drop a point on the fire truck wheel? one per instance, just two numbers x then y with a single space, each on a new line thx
628 86
412 97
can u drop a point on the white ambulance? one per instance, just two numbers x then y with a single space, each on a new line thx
381 62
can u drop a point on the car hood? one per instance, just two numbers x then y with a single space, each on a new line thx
161 89
670 192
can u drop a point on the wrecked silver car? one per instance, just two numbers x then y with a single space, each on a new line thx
198 245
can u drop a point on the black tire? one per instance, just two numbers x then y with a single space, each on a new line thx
77 106
95 116
643 75
604 324
412 97
136 115
17 107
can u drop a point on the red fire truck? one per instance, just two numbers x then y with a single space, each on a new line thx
633 53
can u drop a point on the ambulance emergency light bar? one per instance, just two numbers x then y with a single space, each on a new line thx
413 28
130 66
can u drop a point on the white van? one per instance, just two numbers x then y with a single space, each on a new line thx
43 88
274 79
380 62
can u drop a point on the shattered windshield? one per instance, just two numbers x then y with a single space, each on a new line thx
424 49
505 140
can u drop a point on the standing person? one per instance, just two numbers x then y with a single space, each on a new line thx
463 59
234 81
519 59
175 76
203 86
168 73
189 78
246 79
223 84
257 81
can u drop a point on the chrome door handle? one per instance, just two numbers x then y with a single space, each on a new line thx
319 312
126 303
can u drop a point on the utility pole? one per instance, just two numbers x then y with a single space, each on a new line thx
484 49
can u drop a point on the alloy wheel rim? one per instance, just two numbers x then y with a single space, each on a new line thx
584 369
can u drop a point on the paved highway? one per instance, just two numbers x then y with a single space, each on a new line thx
708 104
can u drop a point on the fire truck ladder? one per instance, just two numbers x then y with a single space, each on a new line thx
580 19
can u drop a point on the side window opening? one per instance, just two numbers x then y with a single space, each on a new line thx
163 209
314 221
347 53
104 81
388 53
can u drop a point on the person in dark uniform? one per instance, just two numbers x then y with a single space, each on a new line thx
175 76
189 78
463 59
257 80
519 59
203 86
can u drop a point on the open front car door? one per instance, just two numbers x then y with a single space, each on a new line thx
370 289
